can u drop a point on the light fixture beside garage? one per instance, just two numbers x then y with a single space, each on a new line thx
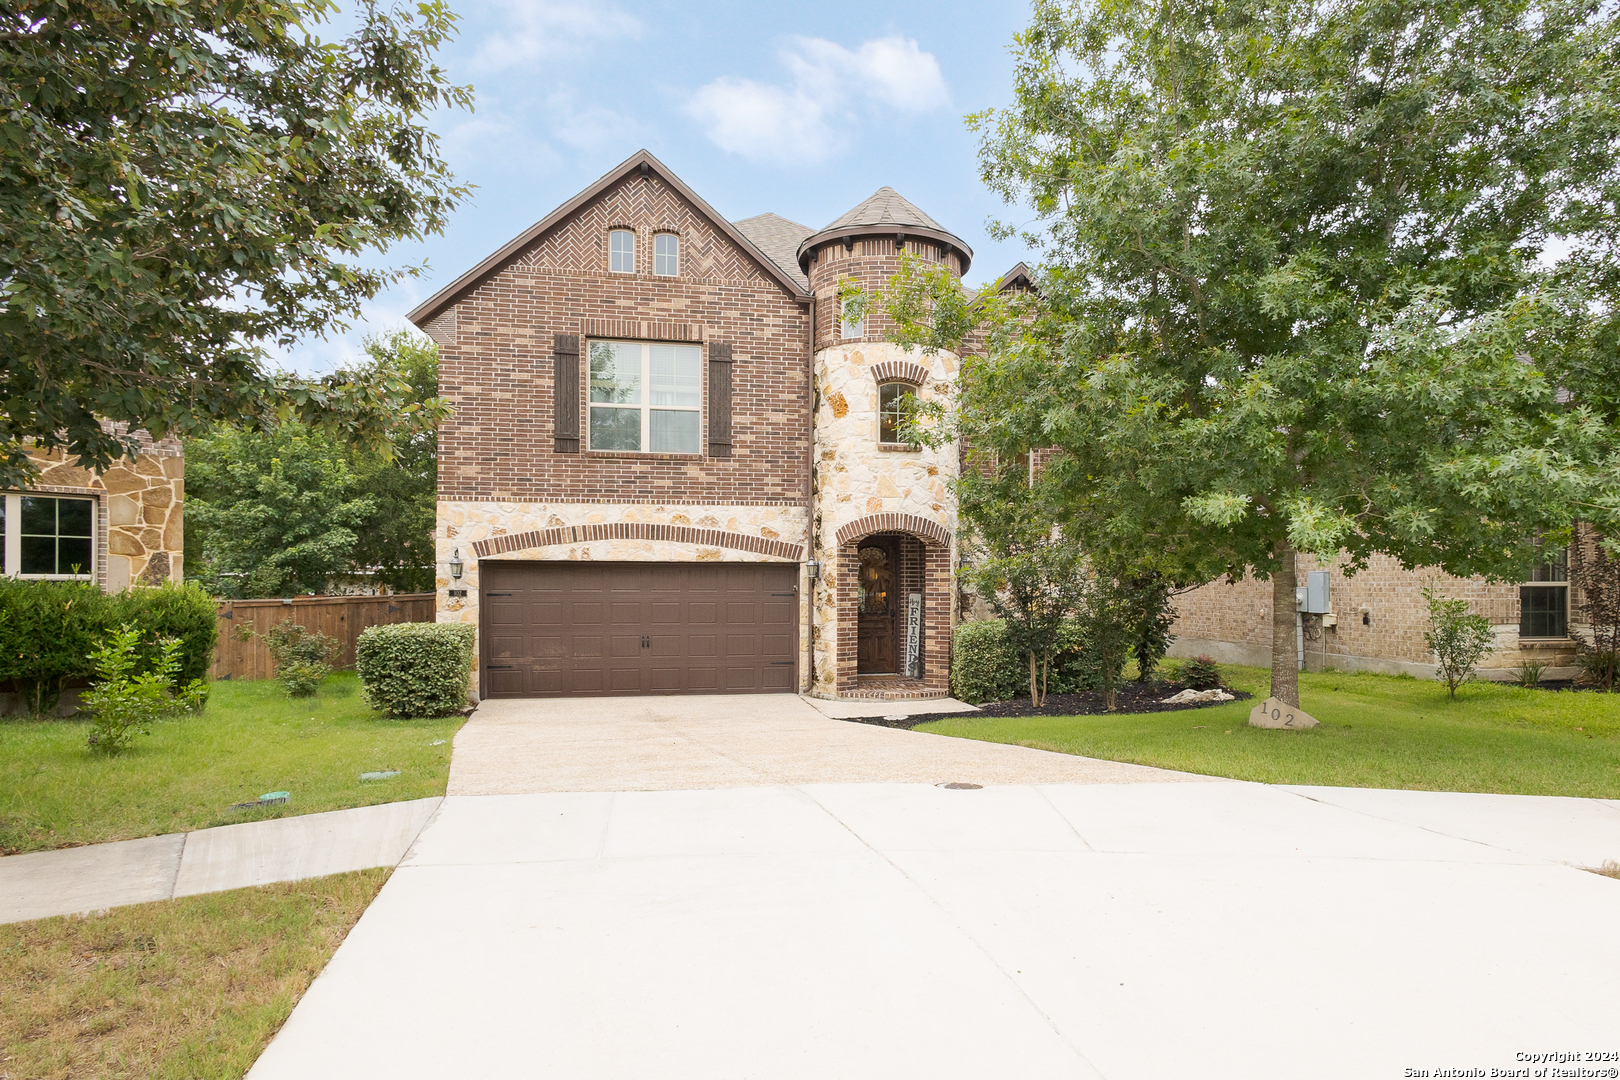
456 564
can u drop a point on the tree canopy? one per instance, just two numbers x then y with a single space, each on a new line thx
185 181
1324 275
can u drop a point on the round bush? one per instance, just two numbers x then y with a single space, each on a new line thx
416 669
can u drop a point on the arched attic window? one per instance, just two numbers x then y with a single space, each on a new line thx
622 251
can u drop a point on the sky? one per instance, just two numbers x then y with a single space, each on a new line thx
800 110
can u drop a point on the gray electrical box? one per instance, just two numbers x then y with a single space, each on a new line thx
1317 601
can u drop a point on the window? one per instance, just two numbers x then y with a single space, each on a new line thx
645 397
47 536
1544 602
894 406
848 327
622 251
666 254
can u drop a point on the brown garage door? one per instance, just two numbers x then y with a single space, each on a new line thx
563 629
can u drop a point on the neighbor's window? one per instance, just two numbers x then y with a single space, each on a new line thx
645 397
849 327
894 403
666 254
622 251
47 536
1544 601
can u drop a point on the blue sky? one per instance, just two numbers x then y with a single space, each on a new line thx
802 110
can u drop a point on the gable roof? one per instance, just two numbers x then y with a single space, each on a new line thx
779 238
641 161
885 211
1020 273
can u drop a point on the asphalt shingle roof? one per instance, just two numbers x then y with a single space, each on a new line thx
779 239
886 207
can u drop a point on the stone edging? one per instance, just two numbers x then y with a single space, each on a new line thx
680 534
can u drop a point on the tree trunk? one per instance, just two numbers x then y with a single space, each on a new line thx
1034 686
1284 647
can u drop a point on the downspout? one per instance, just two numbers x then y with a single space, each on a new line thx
809 496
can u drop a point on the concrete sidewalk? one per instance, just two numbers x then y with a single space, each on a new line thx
888 931
75 880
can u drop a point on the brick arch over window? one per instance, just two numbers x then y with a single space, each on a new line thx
929 532
899 371
680 534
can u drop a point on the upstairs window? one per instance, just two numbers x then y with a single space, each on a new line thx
645 397
666 254
622 251
46 536
849 327
1544 600
894 406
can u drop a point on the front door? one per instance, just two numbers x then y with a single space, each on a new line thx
878 606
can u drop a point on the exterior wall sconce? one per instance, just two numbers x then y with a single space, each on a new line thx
812 570
456 565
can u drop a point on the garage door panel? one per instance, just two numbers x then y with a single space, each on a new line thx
560 628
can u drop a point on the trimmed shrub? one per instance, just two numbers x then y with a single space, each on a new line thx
416 669
50 629
985 667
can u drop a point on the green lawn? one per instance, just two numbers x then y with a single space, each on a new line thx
176 989
1377 731
251 739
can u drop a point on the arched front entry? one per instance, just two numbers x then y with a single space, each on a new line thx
894 607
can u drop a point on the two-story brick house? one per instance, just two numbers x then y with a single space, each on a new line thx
674 468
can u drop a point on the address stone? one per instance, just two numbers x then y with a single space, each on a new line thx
1272 713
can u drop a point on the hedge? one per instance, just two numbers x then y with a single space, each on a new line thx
984 666
415 669
48 629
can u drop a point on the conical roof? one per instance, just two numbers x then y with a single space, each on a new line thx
886 211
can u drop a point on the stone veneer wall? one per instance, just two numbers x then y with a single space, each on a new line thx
1233 622
854 478
463 524
139 509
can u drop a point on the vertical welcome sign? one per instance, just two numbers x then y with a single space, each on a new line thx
914 635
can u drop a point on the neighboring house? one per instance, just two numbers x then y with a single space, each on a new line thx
1376 620
118 528
673 467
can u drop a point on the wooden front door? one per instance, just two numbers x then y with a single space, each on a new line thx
879 606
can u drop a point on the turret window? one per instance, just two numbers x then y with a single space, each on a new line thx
895 400
850 326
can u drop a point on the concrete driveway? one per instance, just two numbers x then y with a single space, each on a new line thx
1026 929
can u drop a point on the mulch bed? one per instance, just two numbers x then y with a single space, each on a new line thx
1133 697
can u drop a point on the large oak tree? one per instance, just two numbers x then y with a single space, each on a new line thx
1323 275
184 181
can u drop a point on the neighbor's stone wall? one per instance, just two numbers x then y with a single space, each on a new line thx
854 478
140 531
1233 622
463 524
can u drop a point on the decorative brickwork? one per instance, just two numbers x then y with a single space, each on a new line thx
581 534
930 532
899 371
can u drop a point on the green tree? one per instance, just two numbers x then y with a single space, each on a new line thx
1458 638
272 513
1299 281
183 182
401 478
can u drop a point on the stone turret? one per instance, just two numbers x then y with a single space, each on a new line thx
884 519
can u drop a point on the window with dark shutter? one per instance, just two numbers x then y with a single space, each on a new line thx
565 392
719 400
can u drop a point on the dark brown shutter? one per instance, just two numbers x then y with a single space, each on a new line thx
565 393
719 399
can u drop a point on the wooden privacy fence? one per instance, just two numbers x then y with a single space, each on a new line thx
342 617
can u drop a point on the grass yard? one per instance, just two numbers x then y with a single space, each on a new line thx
177 989
251 739
1377 731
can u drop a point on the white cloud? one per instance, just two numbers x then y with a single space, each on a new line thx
806 122
591 128
495 136
535 30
